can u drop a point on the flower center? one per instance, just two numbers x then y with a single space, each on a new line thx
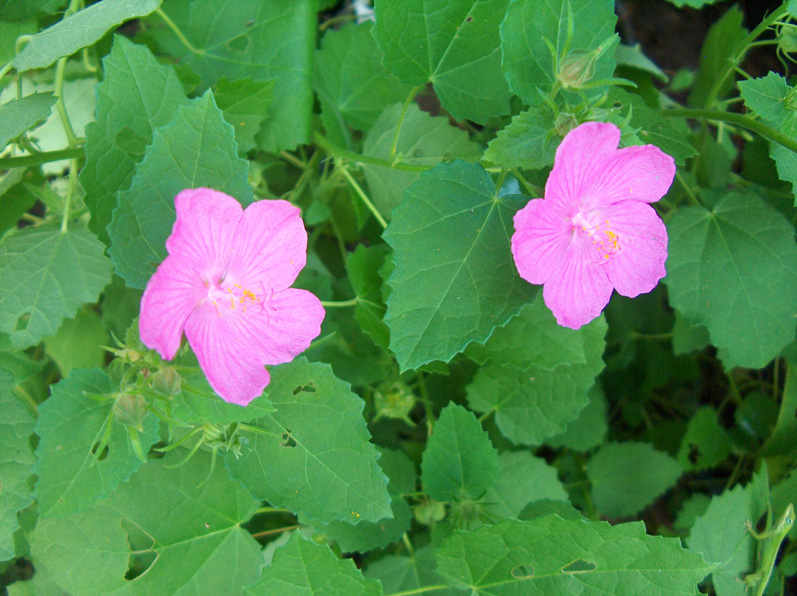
229 296
604 238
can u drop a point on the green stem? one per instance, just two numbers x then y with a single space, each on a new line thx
687 189
339 304
293 160
420 590
500 182
330 147
413 92
24 161
59 104
730 64
738 119
371 207
176 30
70 192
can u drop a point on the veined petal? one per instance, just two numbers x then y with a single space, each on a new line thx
270 245
231 366
204 230
642 173
233 344
639 265
171 295
580 289
540 240
579 158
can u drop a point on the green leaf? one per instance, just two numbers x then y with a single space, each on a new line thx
16 462
350 79
521 479
533 338
627 477
244 103
589 429
19 115
258 39
721 45
651 127
532 403
454 279
84 553
45 275
705 443
184 521
21 10
784 435
362 266
688 338
304 568
454 45
79 30
692 3
633 57
528 142
527 60
313 454
773 99
16 199
78 342
365 536
550 555
123 117
399 573
721 537
720 271
73 471
459 462
195 149
422 140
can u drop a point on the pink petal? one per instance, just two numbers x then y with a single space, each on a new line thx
540 240
639 265
589 170
270 245
171 294
233 345
641 173
579 158
580 289
204 230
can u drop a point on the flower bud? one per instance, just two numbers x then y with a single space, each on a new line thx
564 123
394 400
167 381
578 67
130 409
429 512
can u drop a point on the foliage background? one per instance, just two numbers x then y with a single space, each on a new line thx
443 435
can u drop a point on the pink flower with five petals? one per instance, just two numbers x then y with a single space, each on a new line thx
594 231
226 284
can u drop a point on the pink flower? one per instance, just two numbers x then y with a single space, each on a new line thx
226 284
594 231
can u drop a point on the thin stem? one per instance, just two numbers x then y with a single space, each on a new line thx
70 192
500 182
59 104
8 66
176 30
413 92
277 531
530 188
272 510
363 196
731 63
330 147
24 161
687 189
739 119
339 304
293 160
420 590
427 404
